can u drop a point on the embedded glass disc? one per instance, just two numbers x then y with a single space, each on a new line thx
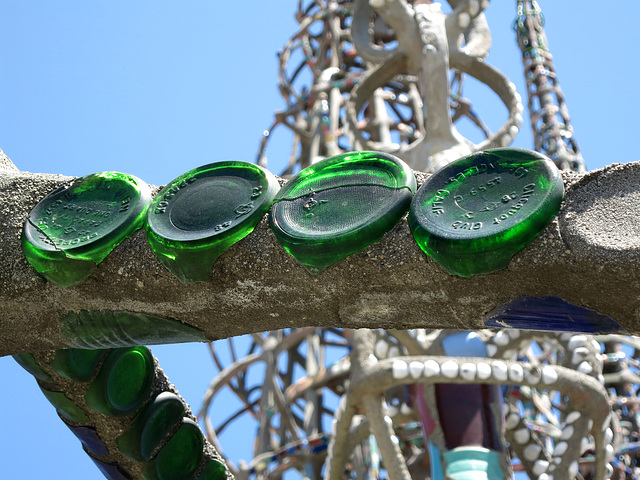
199 215
341 205
75 227
473 215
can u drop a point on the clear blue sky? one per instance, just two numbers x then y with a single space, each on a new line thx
155 88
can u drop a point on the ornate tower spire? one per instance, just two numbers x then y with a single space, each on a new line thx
552 130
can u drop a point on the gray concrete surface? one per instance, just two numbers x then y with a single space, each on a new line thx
589 255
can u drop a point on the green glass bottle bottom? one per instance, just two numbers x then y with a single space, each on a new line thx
151 426
65 406
180 457
123 383
340 206
75 227
29 363
213 471
199 215
77 364
473 215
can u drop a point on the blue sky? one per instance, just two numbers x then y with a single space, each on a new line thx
155 88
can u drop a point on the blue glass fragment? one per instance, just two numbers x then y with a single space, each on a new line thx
550 313
88 435
318 444
110 470
318 448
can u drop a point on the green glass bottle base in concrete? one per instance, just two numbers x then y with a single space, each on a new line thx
199 215
341 205
473 215
65 406
77 364
213 471
29 363
179 458
151 427
123 383
75 227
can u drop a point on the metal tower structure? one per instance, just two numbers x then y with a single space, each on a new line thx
323 406
350 83
552 130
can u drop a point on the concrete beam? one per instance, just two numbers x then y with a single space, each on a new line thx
589 256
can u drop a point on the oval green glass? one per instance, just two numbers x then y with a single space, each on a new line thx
77 364
341 205
30 364
200 214
179 458
473 215
129 379
65 406
151 426
123 383
75 227
214 470
165 413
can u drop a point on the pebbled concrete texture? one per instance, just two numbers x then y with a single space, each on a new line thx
6 163
601 218
588 255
